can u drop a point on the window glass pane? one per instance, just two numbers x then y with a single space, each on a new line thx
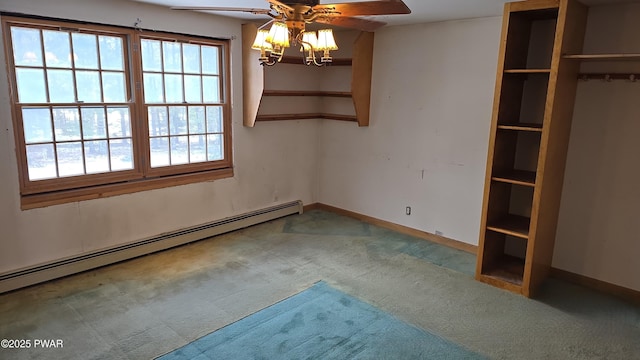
61 88
197 148
173 88
31 87
27 50
211 90
210 62
179 150
153 88
113 85
37 125
151 58
96 156
214 119
196 120
88 83
66 122
192 89
191 58
178 120
85 51
93 123
159 151
57 50
118 122
214 147
41 162
158 121
111 57
70 159
172 56
121 154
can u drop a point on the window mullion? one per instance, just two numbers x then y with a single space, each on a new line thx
139 124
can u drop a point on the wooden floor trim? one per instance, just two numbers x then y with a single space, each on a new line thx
626 294
396 227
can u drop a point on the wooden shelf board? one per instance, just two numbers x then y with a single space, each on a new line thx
513 225
527 71
306 93
521 127
603 57
299 60
509 269
518 177
306 116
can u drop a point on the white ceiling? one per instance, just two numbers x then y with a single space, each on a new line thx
421 10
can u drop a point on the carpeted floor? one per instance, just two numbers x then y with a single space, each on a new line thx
152 305
321 323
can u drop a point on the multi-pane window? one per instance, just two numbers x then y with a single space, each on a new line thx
183 96
97 105
73 102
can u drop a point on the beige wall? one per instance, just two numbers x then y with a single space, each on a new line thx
599 225
273 162
426 146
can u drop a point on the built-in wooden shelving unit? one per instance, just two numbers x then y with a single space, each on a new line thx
258 87
533 107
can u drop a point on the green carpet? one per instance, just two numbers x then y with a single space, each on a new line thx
320 323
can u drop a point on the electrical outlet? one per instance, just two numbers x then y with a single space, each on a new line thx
408 210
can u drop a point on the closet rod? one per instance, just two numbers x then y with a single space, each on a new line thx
633 77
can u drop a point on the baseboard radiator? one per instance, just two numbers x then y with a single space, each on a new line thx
64 267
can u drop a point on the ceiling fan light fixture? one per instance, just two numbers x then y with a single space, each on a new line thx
261 43
309 41
278 37
326 43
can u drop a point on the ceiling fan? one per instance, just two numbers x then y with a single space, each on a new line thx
290 17
297 13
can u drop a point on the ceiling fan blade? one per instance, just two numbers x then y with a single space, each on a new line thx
280 7
350 22
214 8
384 7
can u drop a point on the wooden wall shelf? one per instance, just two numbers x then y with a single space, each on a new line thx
306 116
306 93
286 77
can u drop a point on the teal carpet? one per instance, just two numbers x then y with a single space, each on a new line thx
320 323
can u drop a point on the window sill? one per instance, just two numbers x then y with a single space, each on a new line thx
103 191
